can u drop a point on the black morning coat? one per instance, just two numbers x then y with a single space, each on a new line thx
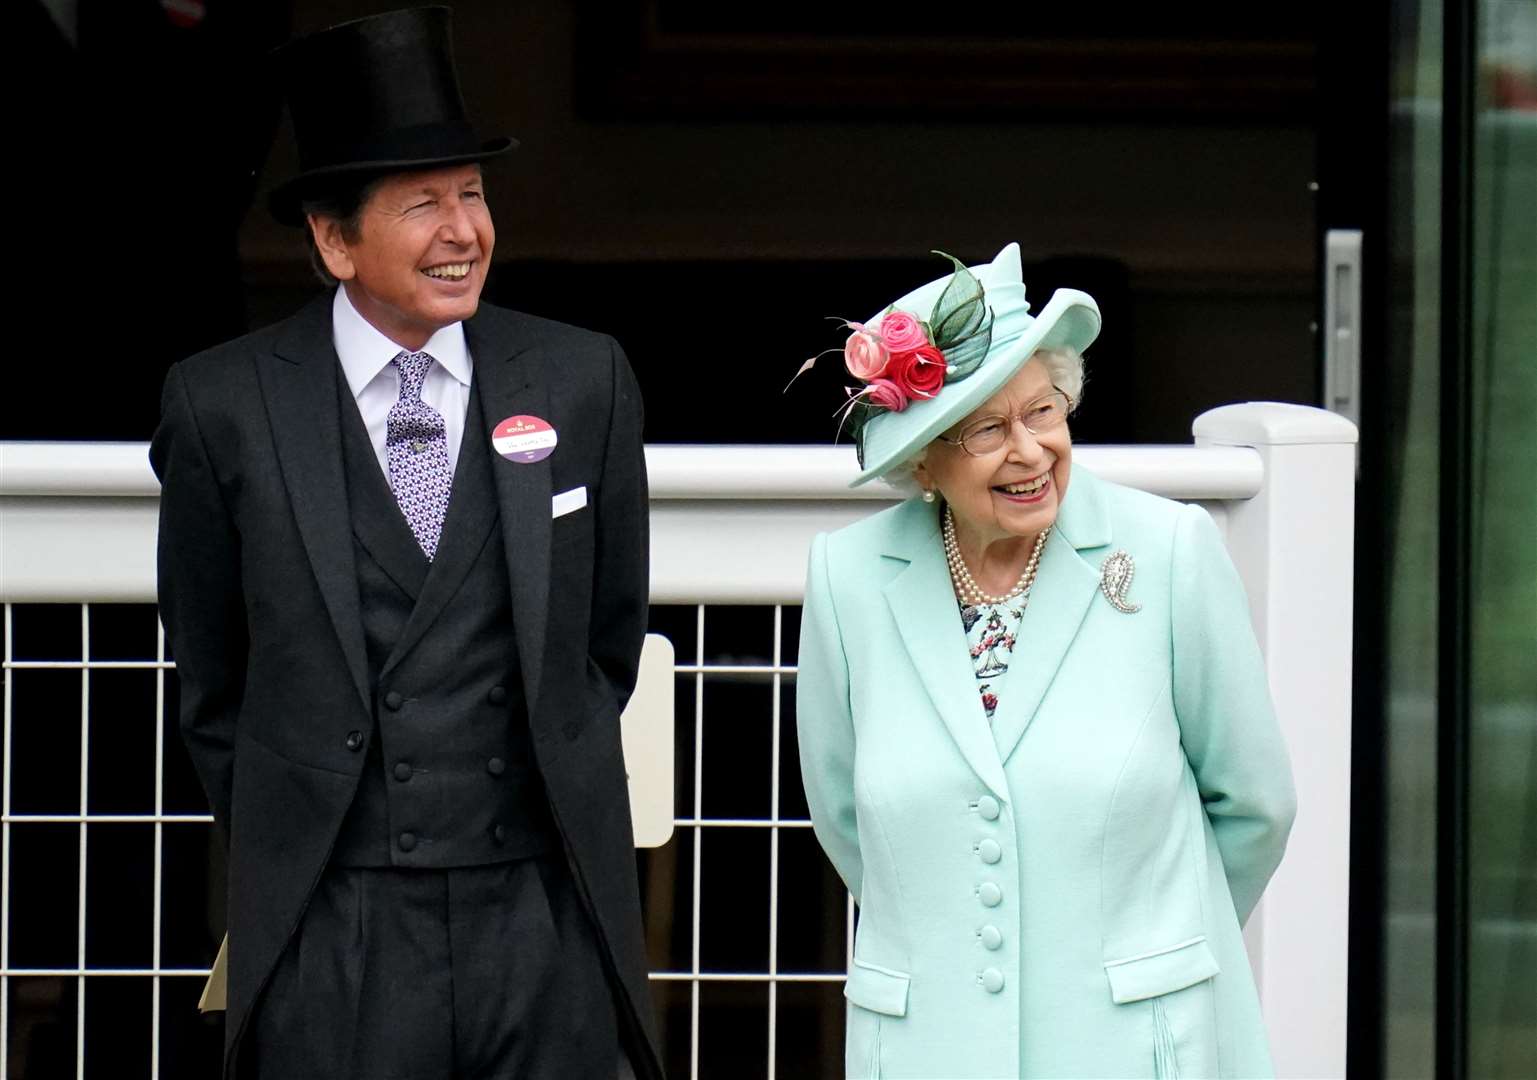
259 596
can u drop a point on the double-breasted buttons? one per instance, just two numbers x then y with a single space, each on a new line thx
496 766
992 980
402 771
354 741
990 894
988 807
989 851
393 701
407 841
498 695
990 937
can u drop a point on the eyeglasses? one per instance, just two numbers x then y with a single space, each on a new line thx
987 434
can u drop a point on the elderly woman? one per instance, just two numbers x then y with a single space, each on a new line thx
1035 732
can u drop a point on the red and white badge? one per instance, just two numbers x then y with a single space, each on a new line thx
524 440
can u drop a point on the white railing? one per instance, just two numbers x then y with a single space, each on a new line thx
732 525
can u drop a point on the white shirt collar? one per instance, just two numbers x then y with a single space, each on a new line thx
364 351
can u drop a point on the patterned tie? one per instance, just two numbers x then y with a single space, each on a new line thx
417 448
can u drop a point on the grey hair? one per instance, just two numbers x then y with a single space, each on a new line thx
1064 366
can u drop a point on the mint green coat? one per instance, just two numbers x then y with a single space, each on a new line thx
1058 893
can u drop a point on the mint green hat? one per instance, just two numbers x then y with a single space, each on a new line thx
1070 318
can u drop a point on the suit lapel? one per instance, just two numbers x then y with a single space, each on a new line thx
299 381
508 377
922 602
466 523
1064 589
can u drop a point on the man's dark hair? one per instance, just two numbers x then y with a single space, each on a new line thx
343 201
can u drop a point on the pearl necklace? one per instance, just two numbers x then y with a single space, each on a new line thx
966 587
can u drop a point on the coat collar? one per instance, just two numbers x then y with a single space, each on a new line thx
922 602
299 380
510 367
1064 590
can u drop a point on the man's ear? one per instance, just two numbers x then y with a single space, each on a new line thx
332 245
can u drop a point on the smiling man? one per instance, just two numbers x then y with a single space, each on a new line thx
403 574
415 259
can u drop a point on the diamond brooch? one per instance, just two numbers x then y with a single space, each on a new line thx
1115 575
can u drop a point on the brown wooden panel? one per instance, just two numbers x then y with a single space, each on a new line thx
677 59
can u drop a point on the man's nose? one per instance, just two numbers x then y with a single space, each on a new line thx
458 226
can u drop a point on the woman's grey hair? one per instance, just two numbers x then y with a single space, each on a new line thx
1064 366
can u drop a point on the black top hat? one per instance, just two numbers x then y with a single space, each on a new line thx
374 95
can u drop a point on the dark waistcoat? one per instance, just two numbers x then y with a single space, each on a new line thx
450 778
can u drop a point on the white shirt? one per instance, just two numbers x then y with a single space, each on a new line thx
365 354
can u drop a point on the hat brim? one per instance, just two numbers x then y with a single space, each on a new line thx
286 201
1070 318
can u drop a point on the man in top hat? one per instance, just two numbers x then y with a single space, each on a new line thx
403 573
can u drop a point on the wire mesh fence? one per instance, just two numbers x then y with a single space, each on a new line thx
111 873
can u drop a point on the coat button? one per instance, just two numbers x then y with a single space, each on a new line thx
498 695
393 701
499 833
354 741
987 806
989 851
402 771
992 980
990 894
496 766
991 937
407 841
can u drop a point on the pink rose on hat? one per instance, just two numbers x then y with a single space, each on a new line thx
885 394
901 332
865 355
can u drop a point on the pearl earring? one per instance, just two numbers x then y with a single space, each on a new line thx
928 495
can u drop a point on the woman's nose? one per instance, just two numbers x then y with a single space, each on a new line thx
1023 446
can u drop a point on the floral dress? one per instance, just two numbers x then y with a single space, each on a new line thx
991 630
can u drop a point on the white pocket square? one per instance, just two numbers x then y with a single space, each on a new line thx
566 501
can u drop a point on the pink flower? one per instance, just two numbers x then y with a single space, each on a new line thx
865 355
886 394
901 332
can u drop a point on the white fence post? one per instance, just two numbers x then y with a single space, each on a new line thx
1293 544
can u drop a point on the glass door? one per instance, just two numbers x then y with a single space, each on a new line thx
1445 828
